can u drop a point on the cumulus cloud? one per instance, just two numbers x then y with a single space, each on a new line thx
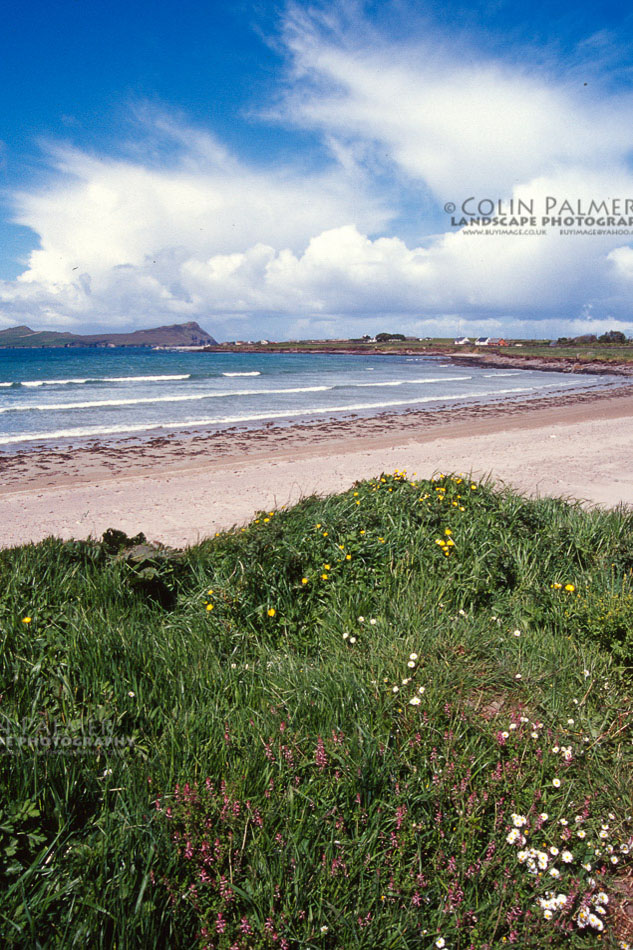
179 228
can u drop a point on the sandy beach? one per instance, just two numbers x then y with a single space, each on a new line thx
179 489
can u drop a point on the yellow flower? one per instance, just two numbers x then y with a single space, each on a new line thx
210 591
355 494
447 531
26 619
326 567
271 611
324 577
348 557
325 534
304 580
570 588
209 606
266 519
362 531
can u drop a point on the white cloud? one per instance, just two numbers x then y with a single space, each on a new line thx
181 229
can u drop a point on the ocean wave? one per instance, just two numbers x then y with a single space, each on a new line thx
230 420
254 373
193 397
99 379
406 382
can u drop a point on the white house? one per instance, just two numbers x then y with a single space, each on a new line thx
460 340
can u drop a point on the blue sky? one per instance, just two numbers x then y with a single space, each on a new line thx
282 170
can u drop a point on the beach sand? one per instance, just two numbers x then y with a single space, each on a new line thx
180 489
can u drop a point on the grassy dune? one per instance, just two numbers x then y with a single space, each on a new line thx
392 718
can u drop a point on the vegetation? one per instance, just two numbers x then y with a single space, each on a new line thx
393 718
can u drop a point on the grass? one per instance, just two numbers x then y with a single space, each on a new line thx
392 718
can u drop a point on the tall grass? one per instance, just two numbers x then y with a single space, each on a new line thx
395 717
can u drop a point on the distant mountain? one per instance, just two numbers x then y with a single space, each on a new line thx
179 334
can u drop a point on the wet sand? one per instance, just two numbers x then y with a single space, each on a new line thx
180 488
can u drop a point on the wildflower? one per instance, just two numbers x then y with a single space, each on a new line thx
547 914
581 834
440 942
361 620
554 872
411 664
304 580
567 857
395 689
513 836
570 722
271 611
517 633
422 689
324 928
613 859
415 701
373 622
352 639
512 726
209 606
324 577
534 735
570 588
556 782
587 866
26 619
413 656
131 694
594 921
553 850
518 676
519 820
348 557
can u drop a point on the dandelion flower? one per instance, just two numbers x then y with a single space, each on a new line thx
271 611
570 588
304 580
26 619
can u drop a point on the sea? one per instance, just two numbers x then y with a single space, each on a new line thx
76 395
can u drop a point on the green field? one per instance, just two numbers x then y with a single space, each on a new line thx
398 717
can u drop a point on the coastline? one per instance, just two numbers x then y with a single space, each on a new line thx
180 488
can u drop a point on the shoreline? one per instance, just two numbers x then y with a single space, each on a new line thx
180 488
